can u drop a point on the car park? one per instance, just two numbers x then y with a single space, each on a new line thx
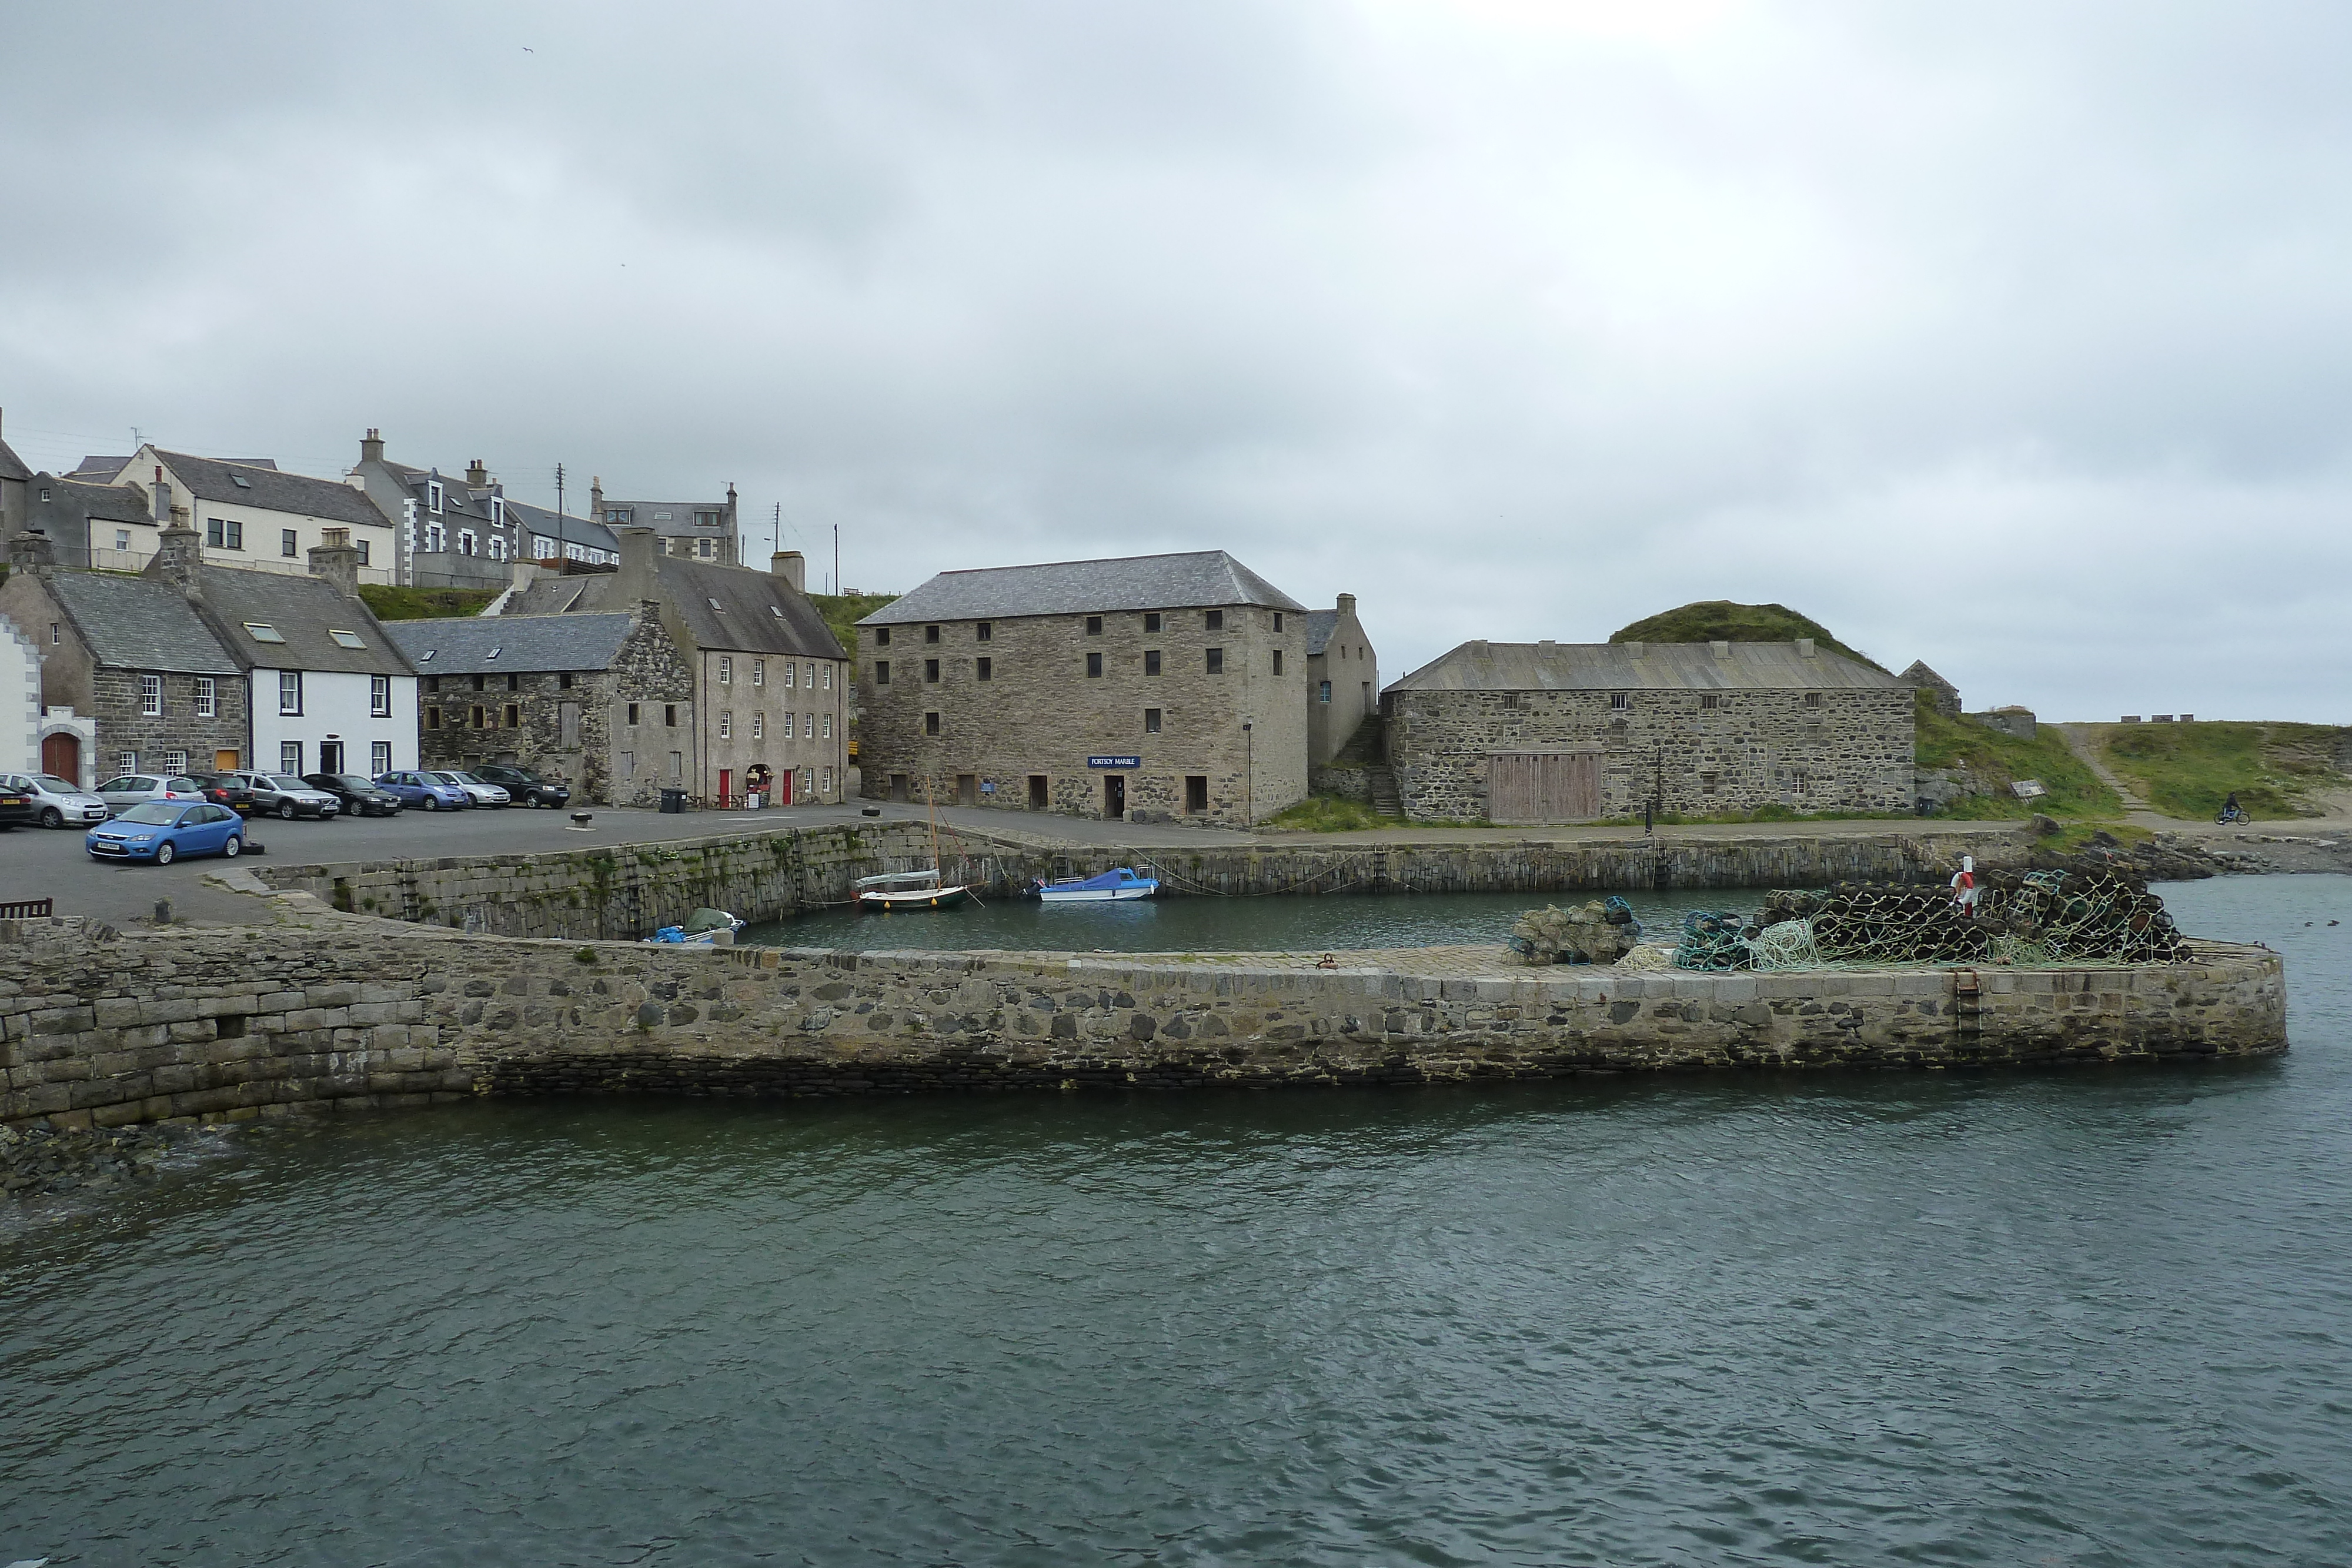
426 791
523 785
160 831
285 796
55 801
137 789
484 792
16 810
360 797
226 789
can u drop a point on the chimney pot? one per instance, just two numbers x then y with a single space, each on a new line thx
477 476
372 445
1347 603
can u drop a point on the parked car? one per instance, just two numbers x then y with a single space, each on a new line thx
425 791
163 831
525 785
138 789
285 796
360 797
55 801
16 810
483 792
226 789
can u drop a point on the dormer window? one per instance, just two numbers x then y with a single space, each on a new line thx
499 511
262 632
433 495
345 639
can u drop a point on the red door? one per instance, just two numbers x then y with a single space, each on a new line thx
61 755
726 785
784 786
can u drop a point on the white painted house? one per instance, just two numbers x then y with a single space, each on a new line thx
255 515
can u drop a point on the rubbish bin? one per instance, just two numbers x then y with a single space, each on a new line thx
673 801
753 801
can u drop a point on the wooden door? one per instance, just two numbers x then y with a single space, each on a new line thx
1528 787
62 755
967 789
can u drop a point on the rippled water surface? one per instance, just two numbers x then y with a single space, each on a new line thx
2088 1317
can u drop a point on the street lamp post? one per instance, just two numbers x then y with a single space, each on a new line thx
1249 781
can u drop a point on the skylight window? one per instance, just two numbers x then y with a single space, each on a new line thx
262 632
241 481
777 610
491 654
426 656
718 607
346 639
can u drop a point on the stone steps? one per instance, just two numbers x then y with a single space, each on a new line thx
1386 801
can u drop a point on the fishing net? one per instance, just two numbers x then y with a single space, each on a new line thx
1602 931
1715 939
1787 945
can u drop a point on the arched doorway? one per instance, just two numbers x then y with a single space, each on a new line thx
61 755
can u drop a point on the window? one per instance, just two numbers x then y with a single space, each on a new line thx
1152 621
481 683
290 691
122 538
346 639
930 634
984 631
828 727
1151 661
126 762
931 671
1709 700
828 780
176 762
1323 691
881 671
289 757
828 677
224 534
57 633
1216 661
633 714
758 672
808 727
983 668
1620 701
433 495
1277 660
466 541
702 548
514 715
262 632
759 726
726 671
1152 721
151 695
378 758
563 681
1511 701
436 540
791 669
1277 626
433 718
677 764
726 723
881 636
931 724
379 696
808 677
1094 625
669 714
1094 666
363 552
1813 699
790 724
479 716
433 683
207 698
287 543
1216 621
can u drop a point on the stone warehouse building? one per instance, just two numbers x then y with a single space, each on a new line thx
1153 687
1566 732
604 703
1343 679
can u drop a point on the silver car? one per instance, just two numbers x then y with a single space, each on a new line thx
56 802
285 796
138 789
484 792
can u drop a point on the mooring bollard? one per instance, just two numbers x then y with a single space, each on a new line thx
162 912
580 820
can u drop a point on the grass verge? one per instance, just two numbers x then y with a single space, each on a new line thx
842 612
2187 769
1329 814
393 604
1999 760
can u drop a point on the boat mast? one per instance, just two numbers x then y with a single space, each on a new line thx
933 807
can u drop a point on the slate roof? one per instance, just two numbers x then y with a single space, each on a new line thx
1663 667
756 612
137 623
477 646
1206 579
104 502
101 468
586 532
458 498
303 610
680 522
209 479
1320 624
11 465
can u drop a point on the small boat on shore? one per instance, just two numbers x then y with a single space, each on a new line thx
703 929
907 890
1113 886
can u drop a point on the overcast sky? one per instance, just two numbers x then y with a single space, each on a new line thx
2012 336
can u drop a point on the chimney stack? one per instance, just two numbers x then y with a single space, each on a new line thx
337 561
31 551
1636 649
595 499
178 553
792 566
1347 603
1805 648
371 446
639 576
163 499
477 476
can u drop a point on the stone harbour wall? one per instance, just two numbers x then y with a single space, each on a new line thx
98 1028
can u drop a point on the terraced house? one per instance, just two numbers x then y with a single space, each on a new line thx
249 513
1151 688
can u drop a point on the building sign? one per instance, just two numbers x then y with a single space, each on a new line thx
1119 762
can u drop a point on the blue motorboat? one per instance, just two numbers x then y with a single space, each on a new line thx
1108 887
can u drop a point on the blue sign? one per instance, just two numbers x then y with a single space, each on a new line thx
1119 762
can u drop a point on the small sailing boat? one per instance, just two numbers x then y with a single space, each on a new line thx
1109 887
896 891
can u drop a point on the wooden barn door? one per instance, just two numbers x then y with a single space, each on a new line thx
1528 787
61 755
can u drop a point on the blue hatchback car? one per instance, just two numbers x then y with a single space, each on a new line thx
163 831
424 791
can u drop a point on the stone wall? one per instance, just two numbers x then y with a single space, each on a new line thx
1039 714
1347 783
1759 747
122 726
108 1029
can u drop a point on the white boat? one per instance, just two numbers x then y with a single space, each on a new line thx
702 929
1108 887
907 890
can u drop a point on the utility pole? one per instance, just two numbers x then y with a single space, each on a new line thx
776 532
558 490
836 557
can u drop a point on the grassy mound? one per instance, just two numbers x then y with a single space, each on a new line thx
392 603
842 612
2002 759
2187 770
1328 814
1721 621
